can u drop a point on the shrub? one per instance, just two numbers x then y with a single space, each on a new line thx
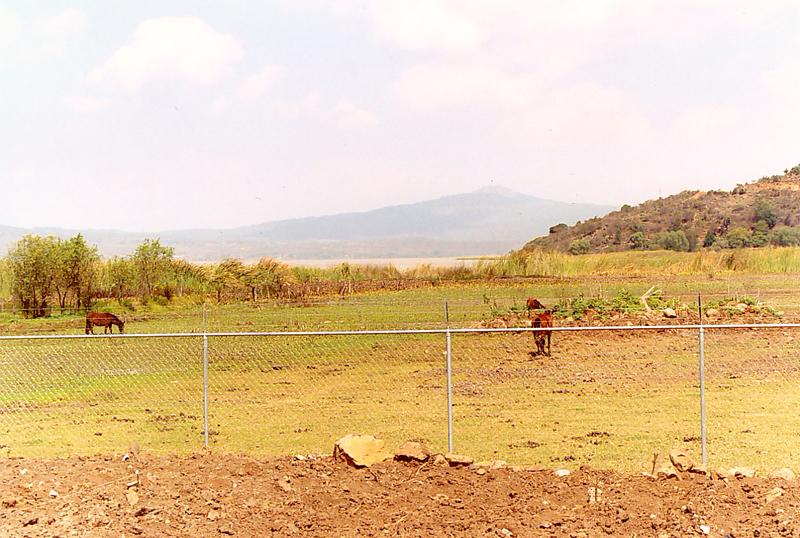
783 236
579 246
764 211
738 237
675 240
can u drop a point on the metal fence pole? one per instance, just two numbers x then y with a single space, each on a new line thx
205 379
449 380
702 381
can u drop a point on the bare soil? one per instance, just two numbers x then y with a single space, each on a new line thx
230 495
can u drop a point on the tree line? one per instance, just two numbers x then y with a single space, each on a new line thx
46 273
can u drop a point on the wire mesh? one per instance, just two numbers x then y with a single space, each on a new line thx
298 394
87 395
752 396
604 398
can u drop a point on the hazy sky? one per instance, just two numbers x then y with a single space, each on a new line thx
149 115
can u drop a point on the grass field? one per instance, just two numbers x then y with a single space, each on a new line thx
606 399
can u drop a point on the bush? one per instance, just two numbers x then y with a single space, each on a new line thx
638 241
783 236
579 246
676 241
764 211
738 237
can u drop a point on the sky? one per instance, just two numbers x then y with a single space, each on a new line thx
151 115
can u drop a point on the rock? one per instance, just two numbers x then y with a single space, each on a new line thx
505 532
783 473
742 472
561 472
699 469
666 472
497 324
669 313
53 493
481 471
742 307
360 450
213 515
721 474
499 464
712 313
774 494
285 484
705 529
132 496
594 494
458 460
680 460
412 451
439 459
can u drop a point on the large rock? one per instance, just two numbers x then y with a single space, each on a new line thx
669 313
412 451
361 450
680 460
784 473
457 460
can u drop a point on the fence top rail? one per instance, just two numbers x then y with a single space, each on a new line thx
466 330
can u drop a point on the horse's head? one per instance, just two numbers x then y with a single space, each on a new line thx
121 327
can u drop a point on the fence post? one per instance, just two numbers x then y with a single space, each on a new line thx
449 379
205 379
702 381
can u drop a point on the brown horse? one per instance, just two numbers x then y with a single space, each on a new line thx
105 320
534 304
542 321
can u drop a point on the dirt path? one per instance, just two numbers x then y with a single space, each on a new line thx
222 495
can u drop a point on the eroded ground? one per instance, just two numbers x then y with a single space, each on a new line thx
221 495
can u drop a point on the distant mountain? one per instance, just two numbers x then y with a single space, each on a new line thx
755 214
487 221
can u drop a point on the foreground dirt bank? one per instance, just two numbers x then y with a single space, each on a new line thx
221 495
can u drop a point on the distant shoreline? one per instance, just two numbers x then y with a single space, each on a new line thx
399 263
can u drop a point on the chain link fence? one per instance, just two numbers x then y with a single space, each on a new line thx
607 396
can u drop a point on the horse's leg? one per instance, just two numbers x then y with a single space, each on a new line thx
548 343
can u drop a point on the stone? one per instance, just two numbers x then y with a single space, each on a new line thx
213 515
680 460
53 493
742 307
481 471
699 469
412 451
361 450
132 496
594 494
712 313
458 460
666 472
705 529
774 493
561 472
742 472
783 472
721 474
669 313
439 459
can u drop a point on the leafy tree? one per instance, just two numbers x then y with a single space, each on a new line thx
33 262
269 276
579 246
784 236
764 211
151 261
78 269
738 237
638 241
675 240
227 276
710 239
120 277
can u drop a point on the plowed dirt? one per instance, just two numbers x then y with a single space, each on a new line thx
222 495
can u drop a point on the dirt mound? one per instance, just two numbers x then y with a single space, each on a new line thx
213 495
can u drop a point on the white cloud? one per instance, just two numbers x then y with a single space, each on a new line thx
54 32
349 115
170 48
307 105
85 104
462 85
426 24
255 85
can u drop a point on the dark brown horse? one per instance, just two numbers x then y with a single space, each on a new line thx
534 304
542 321
105 320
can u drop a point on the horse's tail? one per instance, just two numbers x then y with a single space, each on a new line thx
88 325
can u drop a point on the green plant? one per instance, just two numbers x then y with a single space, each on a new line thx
579 246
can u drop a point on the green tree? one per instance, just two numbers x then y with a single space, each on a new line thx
675 240
738 237
709 239
78 269
227 277
579 246
151 261
33 261
783 236
764 211
638 241
267 276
